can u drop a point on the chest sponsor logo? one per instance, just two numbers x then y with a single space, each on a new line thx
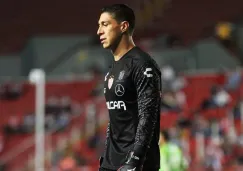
116 105
119 90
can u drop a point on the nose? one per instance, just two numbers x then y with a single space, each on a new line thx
99 31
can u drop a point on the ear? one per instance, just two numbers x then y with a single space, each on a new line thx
124 26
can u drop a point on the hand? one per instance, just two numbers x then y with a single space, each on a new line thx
128 168
133 163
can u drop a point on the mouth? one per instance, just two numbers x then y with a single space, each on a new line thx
102 40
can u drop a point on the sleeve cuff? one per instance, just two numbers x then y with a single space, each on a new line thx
140 151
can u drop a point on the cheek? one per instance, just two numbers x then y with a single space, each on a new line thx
113 35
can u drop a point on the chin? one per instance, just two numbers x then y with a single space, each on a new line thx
105 46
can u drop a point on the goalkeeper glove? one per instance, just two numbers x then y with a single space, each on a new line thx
133 163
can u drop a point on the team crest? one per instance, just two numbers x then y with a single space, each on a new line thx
110 82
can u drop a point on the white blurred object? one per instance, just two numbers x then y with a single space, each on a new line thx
178 83
37 77
168 73
222 98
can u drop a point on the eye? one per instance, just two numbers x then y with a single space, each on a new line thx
105 24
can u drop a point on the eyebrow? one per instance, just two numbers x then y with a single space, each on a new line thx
102 22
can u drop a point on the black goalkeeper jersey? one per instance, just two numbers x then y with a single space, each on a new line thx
132 89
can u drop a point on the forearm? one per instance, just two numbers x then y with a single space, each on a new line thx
148 118
107 135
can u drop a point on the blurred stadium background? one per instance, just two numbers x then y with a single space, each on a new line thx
198 45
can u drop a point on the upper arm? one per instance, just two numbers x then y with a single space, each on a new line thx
147 81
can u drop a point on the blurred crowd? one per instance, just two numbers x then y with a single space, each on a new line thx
58 112
222 143
220 146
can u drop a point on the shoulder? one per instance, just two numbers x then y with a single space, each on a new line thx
141 59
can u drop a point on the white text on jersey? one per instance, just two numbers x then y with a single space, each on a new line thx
116 105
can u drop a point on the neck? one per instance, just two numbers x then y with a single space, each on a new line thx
123 47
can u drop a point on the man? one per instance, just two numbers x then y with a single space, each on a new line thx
171 157
132 89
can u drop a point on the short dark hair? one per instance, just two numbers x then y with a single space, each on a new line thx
120 13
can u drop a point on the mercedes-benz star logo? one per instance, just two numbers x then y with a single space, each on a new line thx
119 90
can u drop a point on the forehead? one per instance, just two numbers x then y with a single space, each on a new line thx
106 17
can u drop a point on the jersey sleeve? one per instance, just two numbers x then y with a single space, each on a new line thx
147 80
107 136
